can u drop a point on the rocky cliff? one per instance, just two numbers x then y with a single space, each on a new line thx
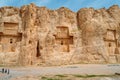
33 35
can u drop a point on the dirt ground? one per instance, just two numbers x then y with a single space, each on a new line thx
67 72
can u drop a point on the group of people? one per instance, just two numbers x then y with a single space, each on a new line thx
7 71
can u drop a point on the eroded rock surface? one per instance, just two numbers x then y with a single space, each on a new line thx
33 35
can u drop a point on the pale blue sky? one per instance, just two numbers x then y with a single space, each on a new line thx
74 5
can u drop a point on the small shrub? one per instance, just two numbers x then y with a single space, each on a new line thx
61 75
88 76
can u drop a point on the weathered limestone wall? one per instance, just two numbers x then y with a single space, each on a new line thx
29 38
56 37
51 50
10 30
100 34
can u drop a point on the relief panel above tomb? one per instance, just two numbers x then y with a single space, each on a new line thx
11 25
62 32
111 34
10 28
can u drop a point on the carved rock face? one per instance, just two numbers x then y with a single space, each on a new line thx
35 35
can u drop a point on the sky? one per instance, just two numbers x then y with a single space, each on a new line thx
74 5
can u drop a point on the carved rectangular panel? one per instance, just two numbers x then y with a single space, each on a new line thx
8 25
111 35
10 28
8 42
9 48
62 32
10 32
64 48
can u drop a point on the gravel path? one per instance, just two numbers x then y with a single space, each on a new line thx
91 69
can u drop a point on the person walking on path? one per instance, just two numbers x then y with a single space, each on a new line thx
8 71
3 70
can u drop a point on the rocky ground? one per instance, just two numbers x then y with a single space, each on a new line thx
70 72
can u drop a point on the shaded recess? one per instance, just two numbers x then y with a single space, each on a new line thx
38 50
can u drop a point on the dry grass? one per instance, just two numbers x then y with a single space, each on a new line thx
72 77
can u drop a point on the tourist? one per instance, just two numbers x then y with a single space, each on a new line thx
8 71
5 70
2 70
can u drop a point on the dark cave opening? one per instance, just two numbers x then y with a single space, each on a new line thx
38 50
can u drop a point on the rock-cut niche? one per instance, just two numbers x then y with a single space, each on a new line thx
63 39
111 42
9 36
